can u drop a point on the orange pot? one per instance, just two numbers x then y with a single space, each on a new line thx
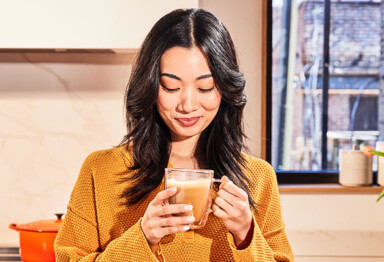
36 239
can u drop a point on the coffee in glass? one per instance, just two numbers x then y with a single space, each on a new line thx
194 187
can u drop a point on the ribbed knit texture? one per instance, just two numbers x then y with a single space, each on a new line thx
97 227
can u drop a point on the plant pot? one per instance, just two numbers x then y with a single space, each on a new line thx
355 168
37 238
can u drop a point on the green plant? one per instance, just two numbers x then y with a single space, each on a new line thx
369 151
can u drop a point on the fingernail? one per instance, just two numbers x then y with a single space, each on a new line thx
173 189
190 219
188 207
186 228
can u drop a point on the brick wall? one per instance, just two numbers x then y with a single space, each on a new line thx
354 36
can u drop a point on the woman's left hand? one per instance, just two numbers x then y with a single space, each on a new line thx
232 207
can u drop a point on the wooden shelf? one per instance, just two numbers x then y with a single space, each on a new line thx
328 188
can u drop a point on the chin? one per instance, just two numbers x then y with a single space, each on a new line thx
183 133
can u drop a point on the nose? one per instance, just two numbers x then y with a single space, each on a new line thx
189 101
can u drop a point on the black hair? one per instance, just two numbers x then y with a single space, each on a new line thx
220 145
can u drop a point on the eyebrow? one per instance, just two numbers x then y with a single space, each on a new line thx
178 78
204 76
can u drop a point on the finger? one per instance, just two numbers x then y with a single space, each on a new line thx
217 211
230 198
224 205
230 187
174 221
163 195
225 179
172 209
173 230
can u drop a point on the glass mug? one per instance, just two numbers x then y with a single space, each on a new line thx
194 187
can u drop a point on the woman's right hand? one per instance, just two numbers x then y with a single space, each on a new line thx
158 220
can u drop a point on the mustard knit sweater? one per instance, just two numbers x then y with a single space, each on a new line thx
98 228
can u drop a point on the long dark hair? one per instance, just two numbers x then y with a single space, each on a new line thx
220 144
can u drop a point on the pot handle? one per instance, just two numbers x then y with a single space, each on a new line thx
59 215
14 226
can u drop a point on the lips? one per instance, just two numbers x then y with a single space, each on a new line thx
188 121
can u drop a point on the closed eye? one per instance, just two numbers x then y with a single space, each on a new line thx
204 90
170 90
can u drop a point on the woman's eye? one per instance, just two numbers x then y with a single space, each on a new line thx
204 90
170 90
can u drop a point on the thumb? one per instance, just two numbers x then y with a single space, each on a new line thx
225 179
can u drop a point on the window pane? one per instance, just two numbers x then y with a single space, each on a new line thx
297 80
354 76
296 83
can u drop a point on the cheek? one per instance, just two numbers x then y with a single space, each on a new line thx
164 102
211 102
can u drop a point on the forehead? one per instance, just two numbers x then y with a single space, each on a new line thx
181 60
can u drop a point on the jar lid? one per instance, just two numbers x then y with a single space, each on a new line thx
52 225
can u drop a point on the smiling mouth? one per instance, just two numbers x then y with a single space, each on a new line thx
188 121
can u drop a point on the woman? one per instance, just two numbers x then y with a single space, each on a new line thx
184 106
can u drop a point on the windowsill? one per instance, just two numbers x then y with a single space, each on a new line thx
328 188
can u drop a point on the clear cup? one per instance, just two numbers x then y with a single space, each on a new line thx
194 187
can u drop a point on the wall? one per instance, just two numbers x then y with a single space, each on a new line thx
54 110
355 30
334 227
381 71
244 22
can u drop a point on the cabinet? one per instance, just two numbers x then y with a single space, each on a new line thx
84 24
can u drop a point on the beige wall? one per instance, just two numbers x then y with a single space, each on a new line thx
243 19
55 109
334 227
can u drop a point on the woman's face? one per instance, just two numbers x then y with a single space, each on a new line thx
188 99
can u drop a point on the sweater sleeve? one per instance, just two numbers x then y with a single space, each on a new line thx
78 237
269 241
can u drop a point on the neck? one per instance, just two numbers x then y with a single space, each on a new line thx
182 152
184 147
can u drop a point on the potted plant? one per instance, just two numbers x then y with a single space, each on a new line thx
370 151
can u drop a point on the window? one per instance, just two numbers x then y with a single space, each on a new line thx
318 107
365 112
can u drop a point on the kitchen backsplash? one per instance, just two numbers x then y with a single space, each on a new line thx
55 109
